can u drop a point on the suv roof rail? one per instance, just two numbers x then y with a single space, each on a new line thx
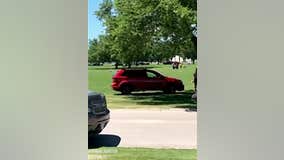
136 68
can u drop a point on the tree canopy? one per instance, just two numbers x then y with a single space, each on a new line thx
139 30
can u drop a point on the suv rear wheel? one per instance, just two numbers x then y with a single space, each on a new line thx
126 89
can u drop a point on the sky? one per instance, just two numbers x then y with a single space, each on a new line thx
95 27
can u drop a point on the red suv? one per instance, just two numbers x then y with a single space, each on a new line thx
128 80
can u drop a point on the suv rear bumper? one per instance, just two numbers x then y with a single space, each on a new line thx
115 86
98 123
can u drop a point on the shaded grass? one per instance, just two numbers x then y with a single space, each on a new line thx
100 78
178 100
142 154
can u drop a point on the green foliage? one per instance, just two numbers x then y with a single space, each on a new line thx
146 29
92 57
100 50
105 10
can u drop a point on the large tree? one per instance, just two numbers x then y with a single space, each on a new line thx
153 29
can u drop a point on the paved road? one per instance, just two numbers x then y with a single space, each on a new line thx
153 128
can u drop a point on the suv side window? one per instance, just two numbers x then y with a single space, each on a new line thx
135 74
151 75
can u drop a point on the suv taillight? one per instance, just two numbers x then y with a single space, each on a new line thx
118 79
115 80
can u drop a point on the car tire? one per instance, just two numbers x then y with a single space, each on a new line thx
171 89
126 89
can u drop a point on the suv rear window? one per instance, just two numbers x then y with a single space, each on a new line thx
119 72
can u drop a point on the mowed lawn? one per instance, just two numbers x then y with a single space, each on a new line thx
100 78
141 154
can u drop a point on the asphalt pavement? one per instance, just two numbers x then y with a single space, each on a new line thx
173 128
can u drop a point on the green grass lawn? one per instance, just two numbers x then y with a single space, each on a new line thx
100 78
141 154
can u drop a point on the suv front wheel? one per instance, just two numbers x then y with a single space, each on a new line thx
170 89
